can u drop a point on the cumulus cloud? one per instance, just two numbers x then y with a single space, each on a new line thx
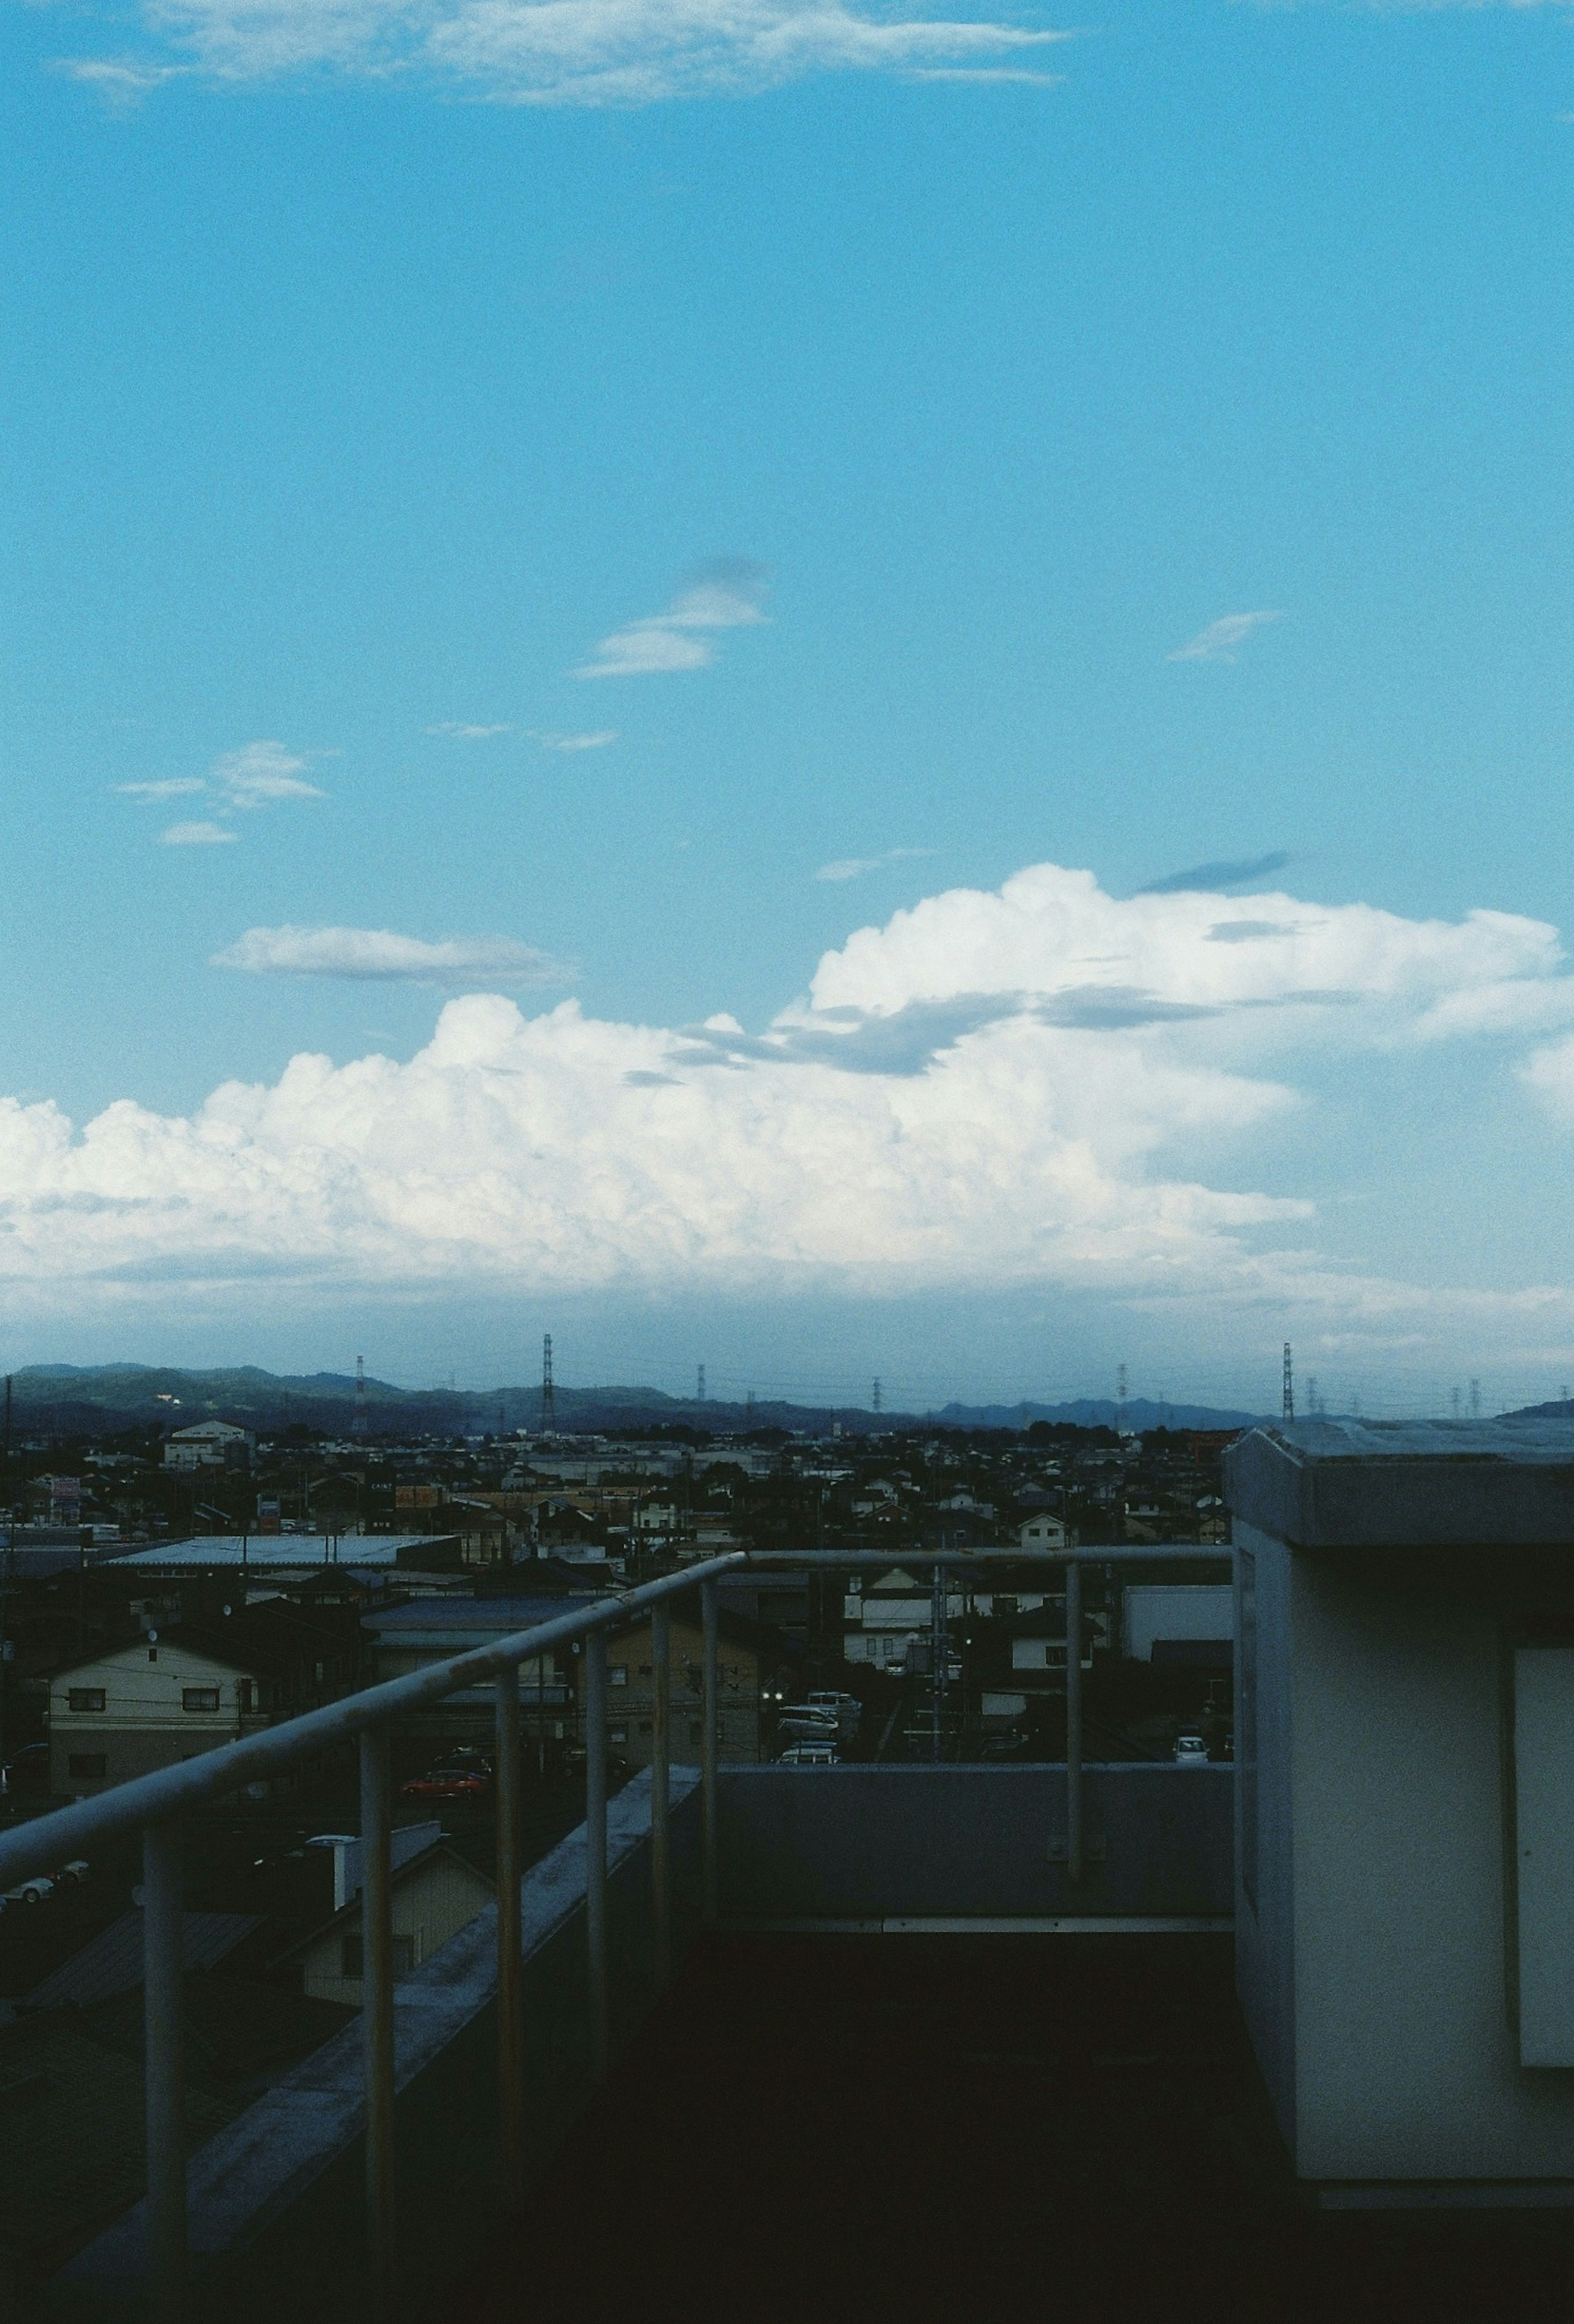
380 955
562 52
197 834
853 867
1219 641
991 1089
729 593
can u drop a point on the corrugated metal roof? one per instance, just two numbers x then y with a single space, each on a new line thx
500 1615
294 1550
111 1962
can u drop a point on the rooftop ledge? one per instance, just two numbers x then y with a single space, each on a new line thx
1409 1484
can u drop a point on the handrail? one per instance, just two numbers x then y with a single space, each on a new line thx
155 1804
173 1790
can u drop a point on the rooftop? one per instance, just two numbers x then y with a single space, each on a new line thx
938 2129
1356 1484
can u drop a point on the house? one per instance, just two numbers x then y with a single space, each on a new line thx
146 1705
435 1894
209 1444
878 1621
1043 1532
1188 1623
746 1656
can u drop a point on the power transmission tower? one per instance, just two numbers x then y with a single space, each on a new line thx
1120 1399
699 1385
1288 1385
875 1398
548 1401
1475 1399
358 1424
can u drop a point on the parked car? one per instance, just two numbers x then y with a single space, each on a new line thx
844 1708
1190 1751
810 1721
445 1784
72 1875
809 1754
29 1892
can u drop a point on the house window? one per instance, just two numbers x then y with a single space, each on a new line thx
86 1698
88 1764
617 1735
198 1698
617 1674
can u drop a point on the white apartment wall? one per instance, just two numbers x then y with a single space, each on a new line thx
1173 1609
1265 1918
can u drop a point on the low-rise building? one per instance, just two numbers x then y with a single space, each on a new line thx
143 1706
208 1445
435 1894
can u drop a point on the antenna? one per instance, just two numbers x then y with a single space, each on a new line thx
875 1398
700 1386
358 1424
548 1401
1288 1385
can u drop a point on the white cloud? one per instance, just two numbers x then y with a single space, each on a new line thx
260 775
458 732
853 867
381 954
1219 641
596 742
726 595
595 52
990 1090
173 787
197 834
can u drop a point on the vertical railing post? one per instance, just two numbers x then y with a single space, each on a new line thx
1073 1721
165 2078
596 1850
661 1791
510 1965
377 2004
710 1619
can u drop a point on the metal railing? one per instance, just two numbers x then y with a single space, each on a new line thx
155 1804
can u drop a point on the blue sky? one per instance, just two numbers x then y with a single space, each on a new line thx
903 427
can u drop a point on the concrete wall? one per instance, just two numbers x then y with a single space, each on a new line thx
874 1844
1265 1858
1407 2052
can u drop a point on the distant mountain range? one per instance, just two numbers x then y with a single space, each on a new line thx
69 1400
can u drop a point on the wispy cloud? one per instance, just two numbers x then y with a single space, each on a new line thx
381 955
197 834
458 731
172 787
853 867
1216 879
260 775
596 742
557 53
727 594
1219 641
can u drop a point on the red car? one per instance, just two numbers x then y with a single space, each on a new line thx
445 1784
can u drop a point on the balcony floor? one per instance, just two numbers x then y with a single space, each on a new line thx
970 2129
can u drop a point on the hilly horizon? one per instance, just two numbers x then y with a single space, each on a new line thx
81 1398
